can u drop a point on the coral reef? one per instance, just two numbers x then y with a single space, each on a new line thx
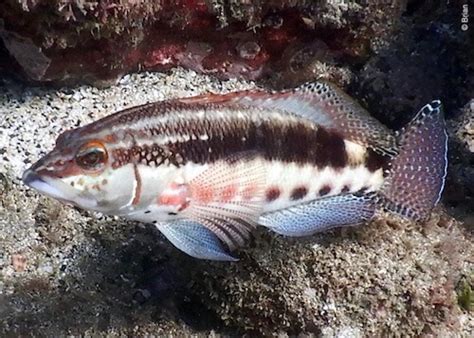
98 41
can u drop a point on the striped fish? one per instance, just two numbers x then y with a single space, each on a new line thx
208 169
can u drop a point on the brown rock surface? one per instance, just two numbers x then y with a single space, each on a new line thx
70 41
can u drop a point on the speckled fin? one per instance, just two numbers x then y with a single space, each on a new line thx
320 215
416 178
195 240
228 197
322 103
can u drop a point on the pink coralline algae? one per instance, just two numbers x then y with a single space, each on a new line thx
99 41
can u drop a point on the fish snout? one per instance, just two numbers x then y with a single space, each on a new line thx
40 183
56 188
30 178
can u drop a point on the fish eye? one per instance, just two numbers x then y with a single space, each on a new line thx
91 156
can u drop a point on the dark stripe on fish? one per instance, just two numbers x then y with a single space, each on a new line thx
375 161
218 135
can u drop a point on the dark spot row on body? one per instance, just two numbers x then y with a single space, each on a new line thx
299 193
326 189
272 194
146 154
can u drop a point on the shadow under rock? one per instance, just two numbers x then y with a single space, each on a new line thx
427 59
458 194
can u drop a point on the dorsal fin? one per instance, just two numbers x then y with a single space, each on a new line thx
321 102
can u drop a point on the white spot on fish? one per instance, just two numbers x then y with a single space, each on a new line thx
355 152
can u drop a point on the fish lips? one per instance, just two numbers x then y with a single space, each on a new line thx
57 189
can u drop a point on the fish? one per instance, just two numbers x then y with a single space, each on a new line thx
207 170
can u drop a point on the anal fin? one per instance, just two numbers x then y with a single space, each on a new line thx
320 215
195 240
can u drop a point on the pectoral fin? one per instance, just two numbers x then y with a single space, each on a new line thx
228 197
320 215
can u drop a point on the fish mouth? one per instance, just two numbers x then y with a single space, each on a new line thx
57 189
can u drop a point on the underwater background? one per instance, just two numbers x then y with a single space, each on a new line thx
65 63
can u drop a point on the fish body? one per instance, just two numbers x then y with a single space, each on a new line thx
207 170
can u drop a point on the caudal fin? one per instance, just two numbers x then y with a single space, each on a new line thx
418 172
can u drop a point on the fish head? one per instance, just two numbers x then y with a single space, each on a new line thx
79 171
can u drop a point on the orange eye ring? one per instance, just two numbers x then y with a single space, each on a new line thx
92 156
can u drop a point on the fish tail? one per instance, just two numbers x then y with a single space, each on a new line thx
417 173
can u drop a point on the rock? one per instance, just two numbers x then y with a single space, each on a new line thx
377 279
99 41
423 60
464 127
459 192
